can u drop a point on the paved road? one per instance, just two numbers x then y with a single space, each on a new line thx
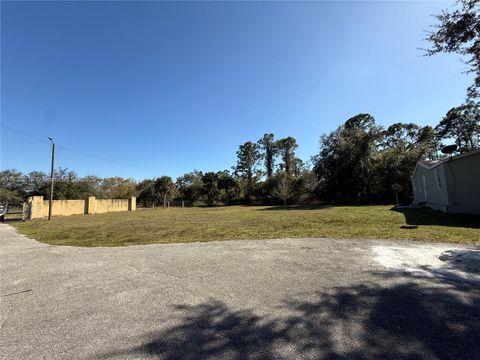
290 298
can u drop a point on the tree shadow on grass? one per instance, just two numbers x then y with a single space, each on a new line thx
416 319
415 217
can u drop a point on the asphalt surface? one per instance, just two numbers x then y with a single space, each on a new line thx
268 299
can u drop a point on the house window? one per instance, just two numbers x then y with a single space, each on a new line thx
438 178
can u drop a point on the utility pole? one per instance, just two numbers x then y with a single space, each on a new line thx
51 180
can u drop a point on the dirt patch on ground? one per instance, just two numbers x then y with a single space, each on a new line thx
459 264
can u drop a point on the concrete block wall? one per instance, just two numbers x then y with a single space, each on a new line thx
64 207
38 207
35 207
111 205
90 205
132 204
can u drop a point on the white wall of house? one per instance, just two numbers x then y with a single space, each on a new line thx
430 187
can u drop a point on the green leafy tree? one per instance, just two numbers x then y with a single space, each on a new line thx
286 148
345 165
247 158
401 147
269 149
304 186
13 180
9 196
190 187
89 185
118 188
240 185
36 183
458 31
400 135
65 185
165 187
420 142
226 182
210 187
146 194
429 140
462 124
299 167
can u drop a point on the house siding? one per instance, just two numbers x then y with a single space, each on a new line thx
452 186
464 179
427 189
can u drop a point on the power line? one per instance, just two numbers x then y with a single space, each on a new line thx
101 158
61 147
24 133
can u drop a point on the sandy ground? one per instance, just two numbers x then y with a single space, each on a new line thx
267 299
461 264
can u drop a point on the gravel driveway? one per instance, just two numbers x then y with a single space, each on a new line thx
267 299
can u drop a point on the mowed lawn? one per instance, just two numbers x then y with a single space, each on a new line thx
252 222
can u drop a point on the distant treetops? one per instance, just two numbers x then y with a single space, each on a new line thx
357 163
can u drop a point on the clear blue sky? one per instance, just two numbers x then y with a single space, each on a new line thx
173 87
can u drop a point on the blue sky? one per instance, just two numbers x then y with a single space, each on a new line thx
165 88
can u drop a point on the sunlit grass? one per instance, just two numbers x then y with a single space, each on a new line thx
252 222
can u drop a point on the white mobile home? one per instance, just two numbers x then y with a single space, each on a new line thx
450 185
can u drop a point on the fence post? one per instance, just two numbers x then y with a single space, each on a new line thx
36 207
132 203
24 211
91 205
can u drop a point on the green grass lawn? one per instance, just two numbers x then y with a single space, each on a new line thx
252 222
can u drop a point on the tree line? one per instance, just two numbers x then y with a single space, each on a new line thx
357 163
16 186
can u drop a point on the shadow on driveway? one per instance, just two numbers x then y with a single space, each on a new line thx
419 319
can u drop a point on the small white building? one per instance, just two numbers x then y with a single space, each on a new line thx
450 185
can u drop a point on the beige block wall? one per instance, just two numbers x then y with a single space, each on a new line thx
64 207
132 203
38 207
35 207
91 205
111 205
